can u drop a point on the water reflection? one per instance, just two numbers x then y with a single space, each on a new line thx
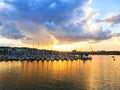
101 73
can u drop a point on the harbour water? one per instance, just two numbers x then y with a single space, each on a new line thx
100 73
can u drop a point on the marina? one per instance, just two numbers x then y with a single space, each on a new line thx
59 45
21 54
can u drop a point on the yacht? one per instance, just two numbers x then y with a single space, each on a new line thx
86 57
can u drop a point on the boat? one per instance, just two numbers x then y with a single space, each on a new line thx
113 56
86 57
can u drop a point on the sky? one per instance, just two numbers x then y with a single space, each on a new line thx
60 24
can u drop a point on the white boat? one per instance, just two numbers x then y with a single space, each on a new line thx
86 57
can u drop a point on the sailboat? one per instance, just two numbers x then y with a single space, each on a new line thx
86 56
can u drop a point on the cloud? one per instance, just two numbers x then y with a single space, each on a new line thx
75 33
50 25
48 21
40 11
35 33
10 31
6 11
117 34
111 19
0 23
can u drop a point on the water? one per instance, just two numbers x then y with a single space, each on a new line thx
101 73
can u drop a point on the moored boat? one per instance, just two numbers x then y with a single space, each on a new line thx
86 57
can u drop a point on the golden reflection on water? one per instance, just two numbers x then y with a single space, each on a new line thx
105 73
101 73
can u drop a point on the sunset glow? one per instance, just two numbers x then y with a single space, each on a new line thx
46 25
